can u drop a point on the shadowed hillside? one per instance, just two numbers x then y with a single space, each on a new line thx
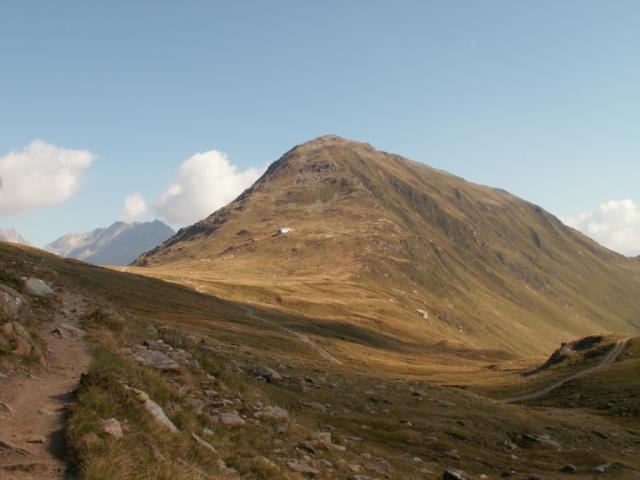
341 230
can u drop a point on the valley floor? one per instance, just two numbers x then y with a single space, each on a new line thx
183 384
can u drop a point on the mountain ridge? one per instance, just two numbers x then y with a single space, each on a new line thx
415 236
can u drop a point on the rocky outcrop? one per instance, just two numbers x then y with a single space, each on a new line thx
13 306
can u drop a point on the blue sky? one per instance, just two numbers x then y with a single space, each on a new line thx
540 98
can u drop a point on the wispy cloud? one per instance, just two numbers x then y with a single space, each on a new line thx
135 208
614 224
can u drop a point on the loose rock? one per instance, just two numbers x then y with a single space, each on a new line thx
600 469
112 427
569 469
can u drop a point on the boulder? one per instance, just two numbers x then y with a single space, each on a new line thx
273 413
303 467
204 443
154 409
267 373
454 475
37 287
543 440
156 359
13 306
600 469
111 427
568 468
66 330
231 419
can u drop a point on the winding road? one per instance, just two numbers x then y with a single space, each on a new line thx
608 360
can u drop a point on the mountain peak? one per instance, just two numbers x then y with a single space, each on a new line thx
339 209
330 140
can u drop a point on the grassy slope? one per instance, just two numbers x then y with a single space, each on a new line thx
376 236
367 407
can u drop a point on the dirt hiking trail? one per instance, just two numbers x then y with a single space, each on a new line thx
303 338
32 417
611 357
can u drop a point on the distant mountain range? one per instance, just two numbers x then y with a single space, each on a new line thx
119 244
10 235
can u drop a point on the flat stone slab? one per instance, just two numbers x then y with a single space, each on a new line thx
156 359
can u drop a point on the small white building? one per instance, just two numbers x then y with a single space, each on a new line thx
284 230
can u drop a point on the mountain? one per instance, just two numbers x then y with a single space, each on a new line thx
372 241
118 244
10 235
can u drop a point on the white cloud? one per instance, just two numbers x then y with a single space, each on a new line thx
615 224
135 208
40 175
203 183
